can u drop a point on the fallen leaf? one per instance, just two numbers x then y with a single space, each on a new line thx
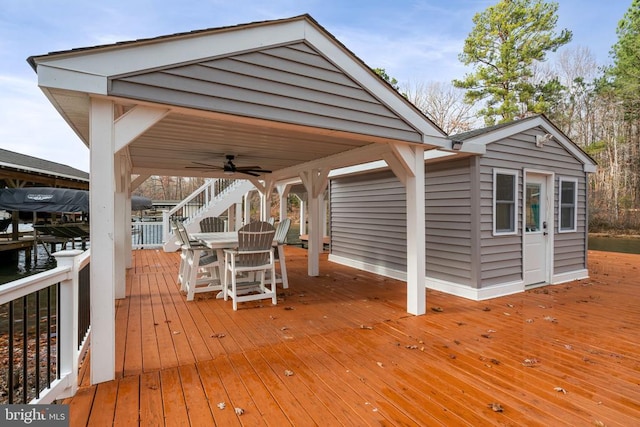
550 319
560 390
366 327
485 336
222 405
510 305
495 361
288 373
239 411
495 407
437 309
490 331
486 309
506 314
380 364
176 332
568 346
529 362
284 328
411 347
288 308
529 320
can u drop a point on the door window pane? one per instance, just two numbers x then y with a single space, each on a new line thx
532 212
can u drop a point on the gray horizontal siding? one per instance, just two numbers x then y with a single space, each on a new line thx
293 84
368 220
501 257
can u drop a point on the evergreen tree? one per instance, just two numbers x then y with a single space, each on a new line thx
506 41
626 57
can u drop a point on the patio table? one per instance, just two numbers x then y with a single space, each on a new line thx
219 241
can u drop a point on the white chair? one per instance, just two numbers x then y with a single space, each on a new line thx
281 237
255 255
200 272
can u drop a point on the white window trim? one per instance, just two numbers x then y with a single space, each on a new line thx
516 175
575 205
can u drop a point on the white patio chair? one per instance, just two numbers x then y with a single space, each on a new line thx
201 270
255 255
281 237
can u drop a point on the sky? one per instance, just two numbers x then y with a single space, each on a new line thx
415 41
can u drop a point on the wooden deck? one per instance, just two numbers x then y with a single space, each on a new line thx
340 349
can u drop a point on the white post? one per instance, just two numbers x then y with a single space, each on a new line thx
247 209
102 229
120 223
303 214
239 222
68 321
416 251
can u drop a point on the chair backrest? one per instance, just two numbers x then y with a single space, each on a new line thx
271 220
281 230
212 224
255 236
182 234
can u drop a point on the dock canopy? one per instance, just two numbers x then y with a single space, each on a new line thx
47 199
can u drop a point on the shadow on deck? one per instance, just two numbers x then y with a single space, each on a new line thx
340 349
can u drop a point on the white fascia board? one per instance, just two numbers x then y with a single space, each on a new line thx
526 124
148 55
43 171
379 165
58 78
353 68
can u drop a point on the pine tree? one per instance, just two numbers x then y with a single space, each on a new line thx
506 41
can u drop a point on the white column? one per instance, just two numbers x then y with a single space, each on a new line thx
247 208
120 212
102 228
303 216
238 216
128 244
416 252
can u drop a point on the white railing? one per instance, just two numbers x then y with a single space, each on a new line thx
198 202
146 234
72 319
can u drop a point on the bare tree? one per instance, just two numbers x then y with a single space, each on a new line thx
442 103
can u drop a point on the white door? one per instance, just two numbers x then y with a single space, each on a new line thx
536 230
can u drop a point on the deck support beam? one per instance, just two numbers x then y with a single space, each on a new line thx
102 229
315 182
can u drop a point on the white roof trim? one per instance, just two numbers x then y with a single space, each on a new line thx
44 171
89 70
526 124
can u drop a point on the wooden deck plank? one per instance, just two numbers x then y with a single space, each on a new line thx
127 404
217 394
174 404
200 413
103 409
150 346
151 406
331 331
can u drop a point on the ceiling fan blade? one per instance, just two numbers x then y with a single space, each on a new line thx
252 169
246 172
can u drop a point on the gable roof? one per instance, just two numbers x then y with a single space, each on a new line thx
500 131
279 94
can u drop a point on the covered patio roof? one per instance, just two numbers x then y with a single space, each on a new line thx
284 96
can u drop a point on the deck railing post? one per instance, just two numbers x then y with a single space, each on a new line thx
68 320
165 226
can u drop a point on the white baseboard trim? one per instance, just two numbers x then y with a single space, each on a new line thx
435 284
473 293
570 276
371 268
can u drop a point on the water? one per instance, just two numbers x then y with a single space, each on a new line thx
614 244
13 269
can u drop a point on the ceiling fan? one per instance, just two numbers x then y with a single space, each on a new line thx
229 167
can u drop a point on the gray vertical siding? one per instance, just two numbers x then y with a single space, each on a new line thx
502 255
